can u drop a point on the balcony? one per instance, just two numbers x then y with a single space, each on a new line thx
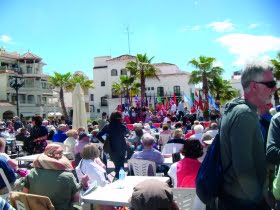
6 68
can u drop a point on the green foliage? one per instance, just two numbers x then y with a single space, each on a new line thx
204 73
142 69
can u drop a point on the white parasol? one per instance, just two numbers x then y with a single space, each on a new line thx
79 108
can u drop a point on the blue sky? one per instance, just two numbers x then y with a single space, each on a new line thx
69 34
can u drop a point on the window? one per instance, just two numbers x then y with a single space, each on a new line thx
149 88
123 72
114 72
98 110
44 100
152 88
160 91
177 91
104 101
87 107
22 98
29 83
102 84
91 97
30 99
29 70
44 85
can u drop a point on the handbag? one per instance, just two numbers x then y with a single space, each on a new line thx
107 145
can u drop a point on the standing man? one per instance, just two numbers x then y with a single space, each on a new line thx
17 123
173 108
242 144
102 121
181 109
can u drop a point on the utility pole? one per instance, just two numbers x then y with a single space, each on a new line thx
128 40
16 82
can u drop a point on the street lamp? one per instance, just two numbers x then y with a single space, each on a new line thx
16 82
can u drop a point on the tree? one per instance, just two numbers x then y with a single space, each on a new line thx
142 69
222 90
84 82
60 81
204 72
127 86
276 64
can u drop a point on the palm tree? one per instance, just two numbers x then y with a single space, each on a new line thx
60 81
222 90
276 64
84 82
142 69
205 71
127 86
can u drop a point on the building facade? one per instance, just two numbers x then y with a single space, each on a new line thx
107 70
35 97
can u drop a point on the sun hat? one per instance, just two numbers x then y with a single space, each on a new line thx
53 159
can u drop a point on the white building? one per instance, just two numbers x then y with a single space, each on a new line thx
35 96
107 70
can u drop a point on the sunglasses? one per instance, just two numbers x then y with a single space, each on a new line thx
269 84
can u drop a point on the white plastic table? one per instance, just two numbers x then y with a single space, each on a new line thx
31 158
112 195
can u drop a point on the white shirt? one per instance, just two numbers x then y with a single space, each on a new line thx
173 107
94 171
4 156
173 173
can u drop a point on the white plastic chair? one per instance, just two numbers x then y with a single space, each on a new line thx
141 167
3 175
20 205
171 148
184 197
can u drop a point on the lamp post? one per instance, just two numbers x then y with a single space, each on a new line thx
17 82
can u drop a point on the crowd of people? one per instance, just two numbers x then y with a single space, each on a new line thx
249 141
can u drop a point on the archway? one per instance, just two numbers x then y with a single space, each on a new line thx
8 115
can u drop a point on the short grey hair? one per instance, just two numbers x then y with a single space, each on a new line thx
253 72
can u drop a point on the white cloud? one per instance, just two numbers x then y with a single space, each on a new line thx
223 26
253 26
249 47
6 39
195 28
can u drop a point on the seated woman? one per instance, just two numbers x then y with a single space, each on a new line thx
71 141
52 177
92 166
165 135
12 162
11 176
183 172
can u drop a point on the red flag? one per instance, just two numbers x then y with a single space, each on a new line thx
166 103
174 99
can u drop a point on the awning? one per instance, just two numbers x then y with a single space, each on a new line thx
27 114
52 114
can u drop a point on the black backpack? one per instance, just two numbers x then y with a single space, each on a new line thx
209 179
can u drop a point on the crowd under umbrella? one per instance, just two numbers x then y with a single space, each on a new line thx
79 108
